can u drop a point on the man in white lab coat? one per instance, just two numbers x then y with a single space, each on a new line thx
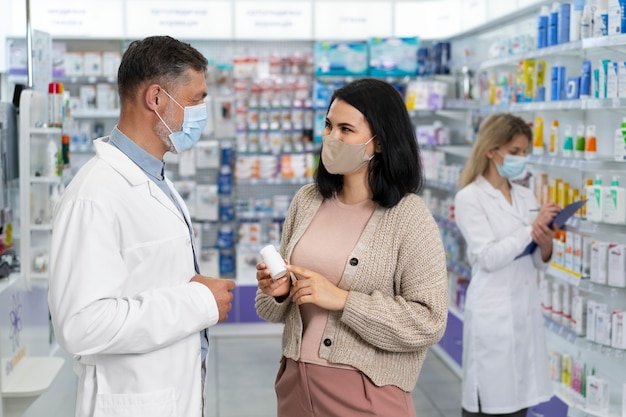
126 295
505 359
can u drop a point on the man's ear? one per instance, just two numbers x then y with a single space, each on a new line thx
153 96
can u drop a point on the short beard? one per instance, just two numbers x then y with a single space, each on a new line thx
161 131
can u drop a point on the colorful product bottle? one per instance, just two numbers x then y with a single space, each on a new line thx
579 146
614 203
553 143
594 202
538 148
568 143
590 142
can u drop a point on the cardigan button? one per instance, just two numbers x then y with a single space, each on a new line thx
327 342
354 261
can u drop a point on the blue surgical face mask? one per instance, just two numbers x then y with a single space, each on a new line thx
194 120
512 166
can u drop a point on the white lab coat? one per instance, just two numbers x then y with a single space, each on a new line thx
120 298
505 359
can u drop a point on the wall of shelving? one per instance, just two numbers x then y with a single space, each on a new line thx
492 62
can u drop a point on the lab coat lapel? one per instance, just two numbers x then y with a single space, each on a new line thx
160 196
497 198
134 175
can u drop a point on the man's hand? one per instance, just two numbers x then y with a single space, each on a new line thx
222 291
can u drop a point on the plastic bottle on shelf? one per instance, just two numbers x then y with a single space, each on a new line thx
538 147
585 22
619 151
55 104
590 142
553 141
55 196
614 203
52 155
587 187
542 27
594 202
600 20
553 25
579 146
568 143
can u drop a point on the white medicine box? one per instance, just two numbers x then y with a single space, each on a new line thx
74 64
92 64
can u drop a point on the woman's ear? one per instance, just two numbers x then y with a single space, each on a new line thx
377 147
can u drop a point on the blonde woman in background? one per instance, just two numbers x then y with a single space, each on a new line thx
505 367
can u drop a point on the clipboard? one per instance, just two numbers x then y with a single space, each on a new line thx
560 219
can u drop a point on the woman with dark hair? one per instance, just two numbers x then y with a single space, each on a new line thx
505 368
367 293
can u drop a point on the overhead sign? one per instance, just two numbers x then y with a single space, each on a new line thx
273 20
431 19
351 20
78 18
180 19
474 14
499 8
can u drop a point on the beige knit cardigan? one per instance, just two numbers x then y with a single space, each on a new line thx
398 293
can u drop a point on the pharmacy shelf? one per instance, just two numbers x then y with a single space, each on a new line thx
577 163
577 48
441 185
32 376
615 103
45 180
45 130
571 48
564 274
573 402
457 150
274 181
87 79
96 114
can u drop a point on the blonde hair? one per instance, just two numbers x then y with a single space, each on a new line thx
495 131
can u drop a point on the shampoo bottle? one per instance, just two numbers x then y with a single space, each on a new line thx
594 202
614 204
590 142
553 144
538 148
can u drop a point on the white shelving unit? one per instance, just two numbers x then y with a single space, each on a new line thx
35 210
606 113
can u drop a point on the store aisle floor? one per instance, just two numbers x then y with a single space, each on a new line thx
243 364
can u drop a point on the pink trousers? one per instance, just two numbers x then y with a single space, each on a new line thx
309 390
